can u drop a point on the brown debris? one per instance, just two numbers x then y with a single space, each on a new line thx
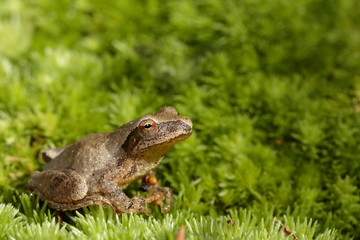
59 218
280 142
231 221
181 233
286 230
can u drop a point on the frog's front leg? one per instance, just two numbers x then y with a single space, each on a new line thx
110 183
150 185
120 202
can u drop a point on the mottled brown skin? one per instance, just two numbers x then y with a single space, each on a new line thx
95 169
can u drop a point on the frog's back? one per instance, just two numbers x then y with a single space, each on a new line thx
84 156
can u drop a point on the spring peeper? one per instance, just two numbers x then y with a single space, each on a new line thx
96 169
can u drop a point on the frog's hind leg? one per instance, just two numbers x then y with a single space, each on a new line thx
64 186
51 153
87 201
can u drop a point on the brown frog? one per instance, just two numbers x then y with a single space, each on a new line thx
95 169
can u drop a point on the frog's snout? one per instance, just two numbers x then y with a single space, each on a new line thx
188 125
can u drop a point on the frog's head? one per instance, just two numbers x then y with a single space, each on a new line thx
153 135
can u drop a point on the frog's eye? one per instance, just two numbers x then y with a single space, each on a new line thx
148 128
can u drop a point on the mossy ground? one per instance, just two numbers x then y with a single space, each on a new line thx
272 87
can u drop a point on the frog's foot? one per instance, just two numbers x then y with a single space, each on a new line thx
122 204
156 194
140 205
58 186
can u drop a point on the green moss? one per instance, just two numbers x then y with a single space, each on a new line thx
271 86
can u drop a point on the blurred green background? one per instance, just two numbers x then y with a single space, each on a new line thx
272 87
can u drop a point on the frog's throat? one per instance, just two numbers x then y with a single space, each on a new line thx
155 153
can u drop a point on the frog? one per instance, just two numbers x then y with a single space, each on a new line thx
96 169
